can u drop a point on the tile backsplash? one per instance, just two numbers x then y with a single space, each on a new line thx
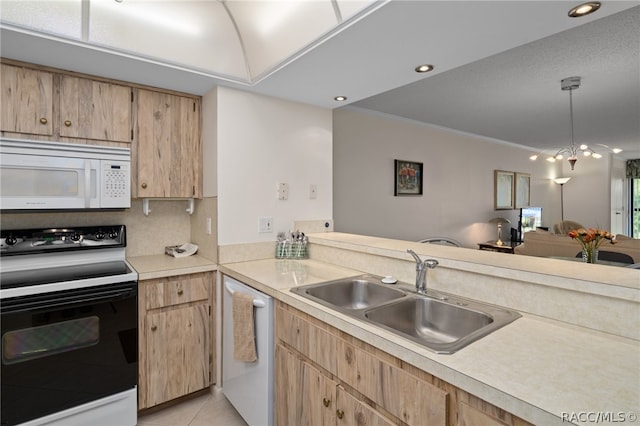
167 224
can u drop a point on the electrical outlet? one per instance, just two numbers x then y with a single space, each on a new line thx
266 224
283 191
313 191
208 226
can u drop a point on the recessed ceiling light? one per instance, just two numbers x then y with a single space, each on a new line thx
340 98
584 9
424 68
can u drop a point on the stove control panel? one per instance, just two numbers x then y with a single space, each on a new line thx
29 241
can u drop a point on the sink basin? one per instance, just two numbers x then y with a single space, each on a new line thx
429 319
354 293
441 323
443 326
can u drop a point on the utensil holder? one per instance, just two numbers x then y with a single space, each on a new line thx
291 250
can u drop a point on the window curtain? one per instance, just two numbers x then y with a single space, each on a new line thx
633 168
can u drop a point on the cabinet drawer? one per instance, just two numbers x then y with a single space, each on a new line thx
171 291
405 396
308 339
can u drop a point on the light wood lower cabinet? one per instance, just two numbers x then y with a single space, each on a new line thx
324 376
176 347
312 398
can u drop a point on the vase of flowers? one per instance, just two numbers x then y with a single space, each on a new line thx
590 239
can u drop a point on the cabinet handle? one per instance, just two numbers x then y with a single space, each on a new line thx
326 402
154 327
67 123
180 291
340 414
144 185
43 120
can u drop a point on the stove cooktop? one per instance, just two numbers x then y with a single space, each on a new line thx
46 240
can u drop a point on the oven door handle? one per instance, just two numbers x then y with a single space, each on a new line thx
69 298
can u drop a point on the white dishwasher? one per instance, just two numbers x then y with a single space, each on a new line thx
249 385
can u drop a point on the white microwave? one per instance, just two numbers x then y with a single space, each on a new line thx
36 175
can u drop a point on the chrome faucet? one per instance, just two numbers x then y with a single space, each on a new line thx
421 271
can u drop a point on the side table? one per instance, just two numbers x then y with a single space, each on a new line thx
506 247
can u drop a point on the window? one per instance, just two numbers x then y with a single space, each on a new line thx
635 208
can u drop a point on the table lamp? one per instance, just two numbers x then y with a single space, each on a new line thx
499 221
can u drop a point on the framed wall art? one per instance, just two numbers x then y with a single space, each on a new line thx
503 190
523 190
407 178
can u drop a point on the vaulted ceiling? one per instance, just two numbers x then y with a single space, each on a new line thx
498 64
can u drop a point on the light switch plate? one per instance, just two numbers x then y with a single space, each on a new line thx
266 224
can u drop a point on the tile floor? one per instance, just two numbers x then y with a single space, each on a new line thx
210 409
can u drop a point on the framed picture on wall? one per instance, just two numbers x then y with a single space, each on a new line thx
522 190
503 190
407 178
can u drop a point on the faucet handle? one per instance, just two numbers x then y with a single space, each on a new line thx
431 263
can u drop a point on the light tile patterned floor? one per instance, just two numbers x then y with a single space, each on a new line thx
211 409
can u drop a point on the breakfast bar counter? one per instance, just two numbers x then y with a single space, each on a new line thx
542 370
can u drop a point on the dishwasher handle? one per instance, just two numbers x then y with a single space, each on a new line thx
257 303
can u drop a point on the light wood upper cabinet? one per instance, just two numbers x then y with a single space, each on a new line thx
26 102
169 160
95 110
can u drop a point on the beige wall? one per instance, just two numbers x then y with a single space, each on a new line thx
262 141
458 180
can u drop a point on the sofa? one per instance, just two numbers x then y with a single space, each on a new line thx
546 244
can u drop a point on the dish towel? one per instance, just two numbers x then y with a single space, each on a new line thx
244 344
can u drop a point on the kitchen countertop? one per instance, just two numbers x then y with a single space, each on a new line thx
538 369
161 265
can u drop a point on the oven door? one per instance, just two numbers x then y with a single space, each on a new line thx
67 348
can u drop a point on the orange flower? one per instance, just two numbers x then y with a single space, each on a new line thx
592 238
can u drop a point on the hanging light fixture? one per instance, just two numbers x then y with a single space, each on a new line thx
572 151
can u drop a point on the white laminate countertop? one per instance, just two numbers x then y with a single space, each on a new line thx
161 265
546 372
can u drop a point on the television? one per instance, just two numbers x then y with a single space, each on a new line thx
530 219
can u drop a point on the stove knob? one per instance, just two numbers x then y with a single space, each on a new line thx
11 240
113 235
100 235
76 237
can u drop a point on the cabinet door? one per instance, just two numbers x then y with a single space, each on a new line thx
303 396
95 110
403 395
26 102
169 147
177 357
351 412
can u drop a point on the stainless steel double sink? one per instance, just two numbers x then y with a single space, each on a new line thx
439 322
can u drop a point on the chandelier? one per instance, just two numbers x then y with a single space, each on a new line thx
573 151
